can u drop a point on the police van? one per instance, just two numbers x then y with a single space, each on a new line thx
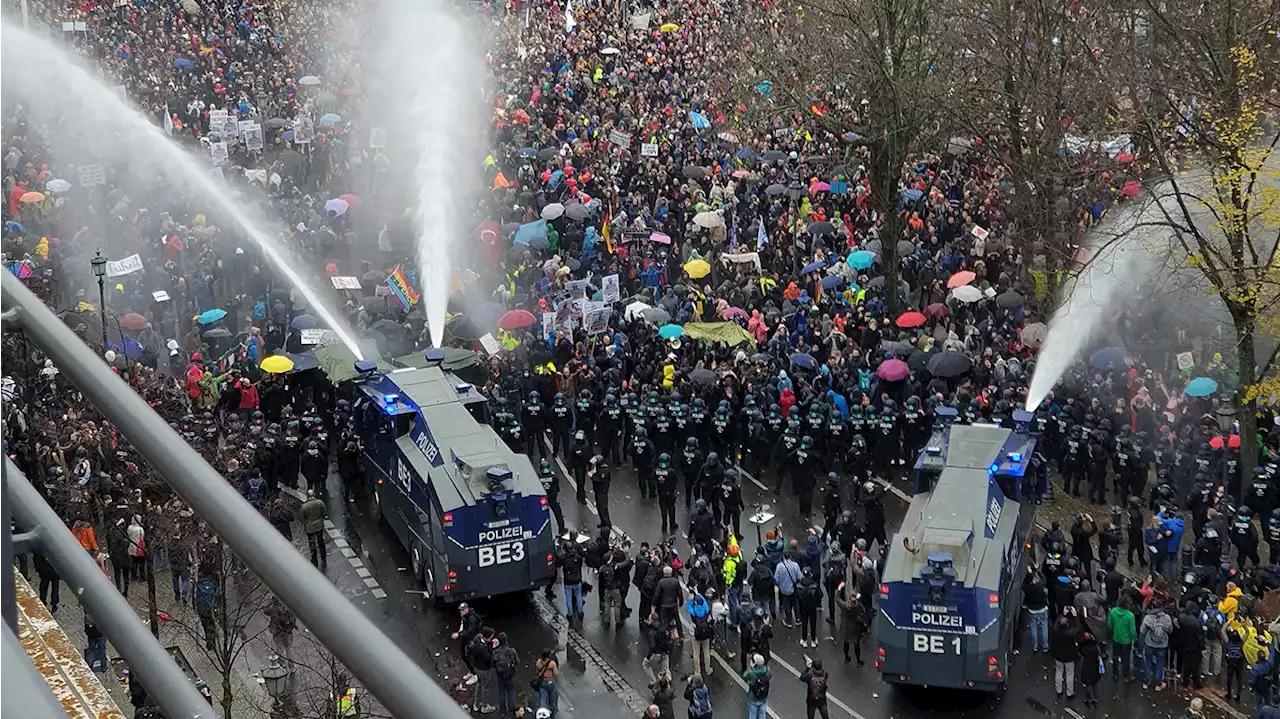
471 513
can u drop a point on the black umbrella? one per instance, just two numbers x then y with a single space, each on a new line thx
815 159
774 156
373 277
576 212
873 246
1009 300
276 123
761 358
291 159
703 376
693 172
918 360
949 365
899 348
389 328
775 189
822 228
905 247
463 328
217 333
546 154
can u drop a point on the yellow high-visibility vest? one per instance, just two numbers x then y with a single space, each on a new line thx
347 704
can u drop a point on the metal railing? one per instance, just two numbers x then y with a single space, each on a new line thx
386 671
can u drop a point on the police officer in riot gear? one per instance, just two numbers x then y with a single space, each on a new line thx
664 476
831 504
585 414
612 423
731 501
1245 537
579 456
1273 534
874 520
551 487
598 473
803 467
663 431
712 479
1075 461
888 447
787 446
915 428
836 437
642 456
561 421
1260 493
691 468
722 430
700 421
755 439
534 420
292 453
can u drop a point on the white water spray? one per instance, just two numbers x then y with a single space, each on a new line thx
1120 263
56 89
433 60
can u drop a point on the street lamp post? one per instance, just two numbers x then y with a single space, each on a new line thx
1226 416
100 271
276 677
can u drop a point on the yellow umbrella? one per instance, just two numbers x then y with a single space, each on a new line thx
669 27
697 269
276 364
29 197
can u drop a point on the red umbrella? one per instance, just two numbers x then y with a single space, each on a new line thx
937 309
893 370
907 320
1233 442
961 279
1125 157
133 321
516 319
1131 188
353 202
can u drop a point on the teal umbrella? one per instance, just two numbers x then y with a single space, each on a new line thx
670 332
208 317
861 259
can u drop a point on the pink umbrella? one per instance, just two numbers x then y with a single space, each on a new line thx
734 313
1124 157
894 370
739 174
1131 188
660 238
819 186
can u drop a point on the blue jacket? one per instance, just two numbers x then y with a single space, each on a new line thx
697 607
1175 526
1153 538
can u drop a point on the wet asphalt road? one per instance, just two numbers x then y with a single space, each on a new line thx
601 674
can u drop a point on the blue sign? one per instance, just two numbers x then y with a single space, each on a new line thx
426 443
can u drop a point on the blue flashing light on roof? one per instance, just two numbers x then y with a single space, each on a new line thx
1015 456
390 398
365 366
434 356
995 467
463 387
498 474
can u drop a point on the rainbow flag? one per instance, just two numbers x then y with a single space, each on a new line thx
401 288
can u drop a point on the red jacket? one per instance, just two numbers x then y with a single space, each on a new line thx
248 396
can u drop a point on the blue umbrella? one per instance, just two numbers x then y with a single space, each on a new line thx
533 234
13 226
1201 387
330 119
911 195
746 153
832 281
287 135
303 322
208 317
861 259
1108 358
182 63
670 332
528 152
812 267
804 359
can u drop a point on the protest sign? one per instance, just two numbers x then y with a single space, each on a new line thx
979 232
217 120
621 139
1186 362
313 336
252 136
218 151
91 175
345 283
490 345
82 26
160 296
127 266
548 324
377 138
611 289
595 317
649 149
382 290
577 288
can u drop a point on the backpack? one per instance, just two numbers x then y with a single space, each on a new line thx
817 688
505 662
205 593
760 687
701 705
605 575
256 484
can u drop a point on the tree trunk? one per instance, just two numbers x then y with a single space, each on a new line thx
227 696
1247 369
886 167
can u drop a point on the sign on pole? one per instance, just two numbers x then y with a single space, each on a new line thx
611 289
91 175
345 283
1186 362
649 149
252 136
218 151
621 139
127 266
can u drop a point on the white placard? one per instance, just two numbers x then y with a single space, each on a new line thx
217 120
68 27
252 136
377 138
548 324
619 138
491 345
382 290
640 21
1186 362
979 232
127 266
245 124
82 26
345 283
313 336
218 151
649 149
611 289
91 175
160 296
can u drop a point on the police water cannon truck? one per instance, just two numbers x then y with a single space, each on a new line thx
471 513
951 590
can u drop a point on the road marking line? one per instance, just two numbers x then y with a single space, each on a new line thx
356 562
684 619
370 582
328 524
362 572
379 593
347 552
340 542
1219 702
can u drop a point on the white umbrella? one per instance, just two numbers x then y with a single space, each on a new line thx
610 51
708 219
634 309
309 80
552 211
191 6
337 206
967 293
57 185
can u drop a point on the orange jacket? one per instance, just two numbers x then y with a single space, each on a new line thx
87 538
